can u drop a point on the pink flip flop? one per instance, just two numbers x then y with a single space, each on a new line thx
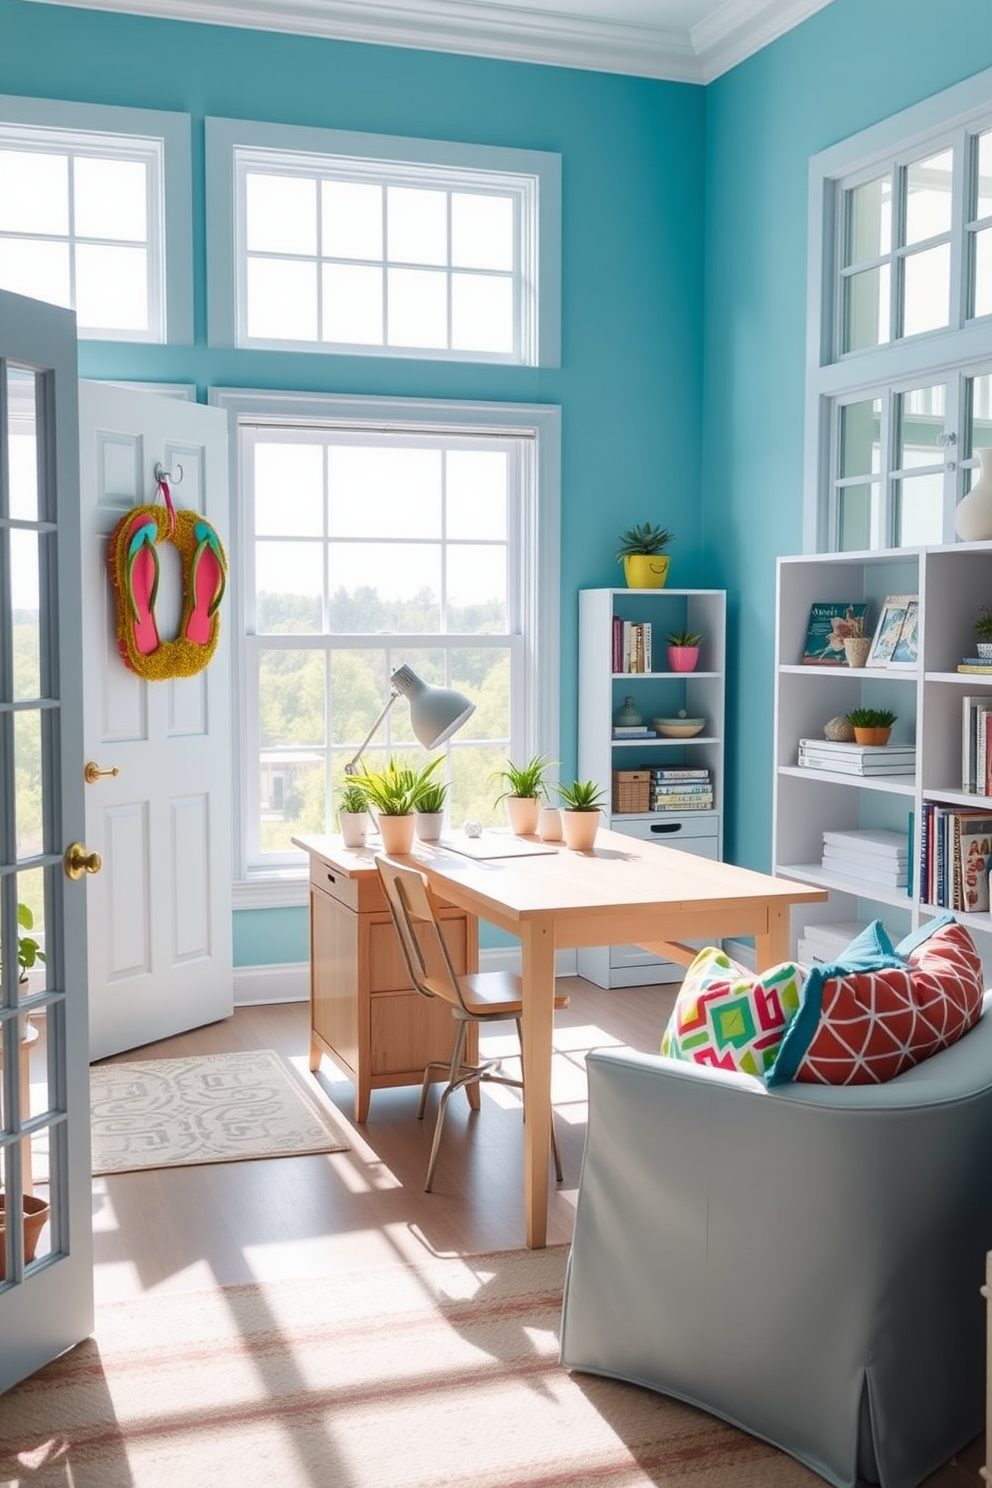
142 585
207 581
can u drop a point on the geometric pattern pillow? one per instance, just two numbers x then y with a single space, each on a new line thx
865 1027
729 1017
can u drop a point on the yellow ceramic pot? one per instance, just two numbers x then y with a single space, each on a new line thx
645 570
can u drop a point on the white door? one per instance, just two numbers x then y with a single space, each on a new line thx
46 1304
160 930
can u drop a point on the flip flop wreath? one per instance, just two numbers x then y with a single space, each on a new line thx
134 572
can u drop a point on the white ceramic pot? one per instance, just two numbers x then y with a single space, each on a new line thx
580 828
549 824
354 827
523 812
397 832
973 515
428 825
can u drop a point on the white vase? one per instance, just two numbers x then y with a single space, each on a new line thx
973 515
429 825
354 827
549 824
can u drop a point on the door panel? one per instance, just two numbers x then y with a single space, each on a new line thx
161 958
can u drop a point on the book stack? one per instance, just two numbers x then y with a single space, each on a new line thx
976 745
633 731
631 645
679 789
975 664
824 943
955 849
868 856
857 759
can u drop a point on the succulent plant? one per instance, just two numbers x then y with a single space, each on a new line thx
683 638
524 780
643 538
871 717
581 795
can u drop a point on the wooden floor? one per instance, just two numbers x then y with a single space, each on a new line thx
185 1228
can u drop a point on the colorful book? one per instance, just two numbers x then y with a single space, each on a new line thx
826 629
974 840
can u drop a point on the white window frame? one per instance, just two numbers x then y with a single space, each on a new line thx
532 176
535 707
949 356
163 140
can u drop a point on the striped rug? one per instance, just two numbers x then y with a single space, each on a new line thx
440 1375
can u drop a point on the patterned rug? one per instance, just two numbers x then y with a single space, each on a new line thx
158 1113
430 1376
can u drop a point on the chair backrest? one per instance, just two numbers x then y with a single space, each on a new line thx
414 909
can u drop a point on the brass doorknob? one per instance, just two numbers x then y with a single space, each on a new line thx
92 772
78 861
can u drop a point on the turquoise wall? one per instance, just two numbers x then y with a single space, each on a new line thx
849 66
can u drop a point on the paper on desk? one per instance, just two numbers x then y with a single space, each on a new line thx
494 845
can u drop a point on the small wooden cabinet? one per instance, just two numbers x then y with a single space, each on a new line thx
364 1014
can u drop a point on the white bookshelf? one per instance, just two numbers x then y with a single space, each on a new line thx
658 693
952 583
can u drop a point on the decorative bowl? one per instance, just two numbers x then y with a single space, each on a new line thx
678 728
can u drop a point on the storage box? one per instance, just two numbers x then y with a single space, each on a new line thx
631 790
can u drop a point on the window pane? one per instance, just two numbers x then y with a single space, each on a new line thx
289 585
112 287
983 184
111 199
417 225
289 490
34 192
928 197
927 290
27 766
476 589
292 795
22 446
380 490
38 270
351 219
280 214
353 309
282 300
481 231
869 221
418 308
481 313
920 426
25 604
860 429
359 689
866 309
981 412
475 493
919 510
856 506
391 586
983 273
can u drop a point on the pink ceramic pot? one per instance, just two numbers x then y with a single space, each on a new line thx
683 658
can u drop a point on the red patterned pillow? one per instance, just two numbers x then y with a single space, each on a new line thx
865 1027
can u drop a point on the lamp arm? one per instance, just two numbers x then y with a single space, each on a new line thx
351 768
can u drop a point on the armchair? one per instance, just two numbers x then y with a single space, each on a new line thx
804 1261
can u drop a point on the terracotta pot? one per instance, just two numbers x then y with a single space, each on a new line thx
523 812
580 828
871 735
397 833
645 570
683 658
36 1215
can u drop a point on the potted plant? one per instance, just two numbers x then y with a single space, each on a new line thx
683 650
430 808
871 725
983 632
524 791
582 803
36 1213
642 553
353 815
29 952
856 644
394 792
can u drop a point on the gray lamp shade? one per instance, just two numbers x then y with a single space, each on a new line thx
435 712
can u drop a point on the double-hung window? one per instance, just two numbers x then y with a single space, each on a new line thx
326 241
95 215
899 373
375 534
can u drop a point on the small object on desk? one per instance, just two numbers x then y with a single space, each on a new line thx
473 829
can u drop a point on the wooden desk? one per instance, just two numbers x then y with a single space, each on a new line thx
624 892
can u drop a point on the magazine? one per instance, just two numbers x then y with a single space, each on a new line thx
828 626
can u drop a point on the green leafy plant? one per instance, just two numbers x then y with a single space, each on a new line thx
352 797
396 789
871 717
524 780
29 951
683 638
983 624
581 795
643 538
433 796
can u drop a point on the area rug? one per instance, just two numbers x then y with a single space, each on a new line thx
440 1375
157 1113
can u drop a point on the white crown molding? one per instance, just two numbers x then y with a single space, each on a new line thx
729 34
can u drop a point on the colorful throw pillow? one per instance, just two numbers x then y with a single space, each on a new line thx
862 1026
729 1017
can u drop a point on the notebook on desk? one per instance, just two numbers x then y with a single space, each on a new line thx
493 844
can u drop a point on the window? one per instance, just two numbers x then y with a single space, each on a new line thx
323 241
374 534
899 366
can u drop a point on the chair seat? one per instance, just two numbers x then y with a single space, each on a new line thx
487 994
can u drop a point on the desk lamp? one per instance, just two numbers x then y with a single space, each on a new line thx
435 712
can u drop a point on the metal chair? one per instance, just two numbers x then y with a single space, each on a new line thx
481 997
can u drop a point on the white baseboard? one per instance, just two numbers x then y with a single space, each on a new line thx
290 980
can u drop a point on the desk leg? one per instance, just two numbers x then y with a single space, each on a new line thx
538 947
773 946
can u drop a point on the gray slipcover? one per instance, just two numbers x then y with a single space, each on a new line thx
805 1262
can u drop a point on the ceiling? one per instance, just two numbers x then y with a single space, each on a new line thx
690 41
